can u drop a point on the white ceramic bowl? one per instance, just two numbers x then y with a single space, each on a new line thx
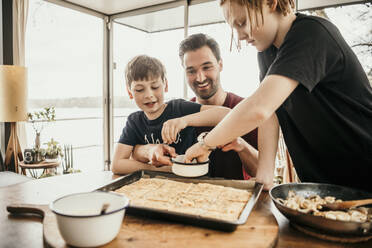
194 169
80 221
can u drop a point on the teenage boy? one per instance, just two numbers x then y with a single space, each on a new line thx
312 84
158 122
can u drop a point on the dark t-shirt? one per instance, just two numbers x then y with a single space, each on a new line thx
327 120
139 130
228 164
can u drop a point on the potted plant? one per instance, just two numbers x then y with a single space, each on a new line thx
53 151
39 119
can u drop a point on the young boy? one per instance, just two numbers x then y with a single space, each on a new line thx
158 122
312 84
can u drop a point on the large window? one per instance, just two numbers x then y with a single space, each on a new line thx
64 60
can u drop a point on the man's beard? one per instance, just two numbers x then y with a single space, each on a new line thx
208 93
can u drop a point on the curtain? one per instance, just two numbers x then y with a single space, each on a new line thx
284 169
20 13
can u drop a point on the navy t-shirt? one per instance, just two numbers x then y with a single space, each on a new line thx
139 130
327 120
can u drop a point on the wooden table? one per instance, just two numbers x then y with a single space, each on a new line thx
27 232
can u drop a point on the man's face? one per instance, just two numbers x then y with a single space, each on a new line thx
202 72
149 96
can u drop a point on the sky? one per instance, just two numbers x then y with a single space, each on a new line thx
64 52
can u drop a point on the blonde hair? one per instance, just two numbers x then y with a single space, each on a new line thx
283 7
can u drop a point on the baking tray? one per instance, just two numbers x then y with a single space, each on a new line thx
217 224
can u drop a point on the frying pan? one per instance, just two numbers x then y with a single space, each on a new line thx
318 222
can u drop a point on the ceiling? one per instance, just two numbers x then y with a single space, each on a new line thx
160 15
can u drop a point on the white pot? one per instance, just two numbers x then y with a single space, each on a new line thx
194 169
80 221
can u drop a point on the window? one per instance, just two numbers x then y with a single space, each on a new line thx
64 60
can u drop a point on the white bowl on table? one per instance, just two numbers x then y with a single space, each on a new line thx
81 222
193 169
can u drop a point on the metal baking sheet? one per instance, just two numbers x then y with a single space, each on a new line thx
212 223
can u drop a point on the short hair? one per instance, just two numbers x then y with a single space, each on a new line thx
143 67
196 41
283 7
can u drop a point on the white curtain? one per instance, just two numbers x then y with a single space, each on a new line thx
20 13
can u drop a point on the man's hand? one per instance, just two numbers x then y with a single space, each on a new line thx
160 154
171 128
236 145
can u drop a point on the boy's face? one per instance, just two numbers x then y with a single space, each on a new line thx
262 35
149 96
202 72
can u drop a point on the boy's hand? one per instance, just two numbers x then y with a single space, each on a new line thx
236 145
159 155
171 128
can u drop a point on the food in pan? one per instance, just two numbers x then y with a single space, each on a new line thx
202 199
313 204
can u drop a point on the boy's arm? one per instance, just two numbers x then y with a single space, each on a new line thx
247 154
268 136
123 164
208 116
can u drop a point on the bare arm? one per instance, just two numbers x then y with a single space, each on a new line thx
123 164
208 116
268 135
248 154
252 111
248 114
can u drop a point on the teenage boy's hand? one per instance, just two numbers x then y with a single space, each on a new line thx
171 128
159 155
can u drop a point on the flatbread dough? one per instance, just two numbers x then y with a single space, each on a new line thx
202 199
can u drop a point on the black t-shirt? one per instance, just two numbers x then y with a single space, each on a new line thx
139 130
327 120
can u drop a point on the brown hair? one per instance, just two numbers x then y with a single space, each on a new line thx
143 67
196 41
283 6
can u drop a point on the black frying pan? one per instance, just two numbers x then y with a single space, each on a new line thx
318 222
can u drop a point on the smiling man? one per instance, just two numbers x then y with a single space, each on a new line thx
201 59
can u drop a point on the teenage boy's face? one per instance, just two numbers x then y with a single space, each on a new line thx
263 34
202 72
149 96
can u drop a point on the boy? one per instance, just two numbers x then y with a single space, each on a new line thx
312 84
158 122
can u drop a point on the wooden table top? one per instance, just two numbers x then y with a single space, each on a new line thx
27 232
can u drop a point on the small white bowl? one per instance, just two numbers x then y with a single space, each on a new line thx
80 221
193 169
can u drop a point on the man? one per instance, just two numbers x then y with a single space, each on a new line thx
200 56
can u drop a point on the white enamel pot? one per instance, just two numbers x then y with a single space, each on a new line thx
194 169
81 221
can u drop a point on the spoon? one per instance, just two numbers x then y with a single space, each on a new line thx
346 204
104 208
